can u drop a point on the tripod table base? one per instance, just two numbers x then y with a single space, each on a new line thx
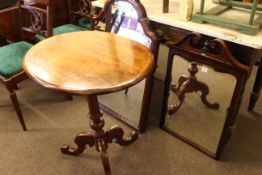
99 137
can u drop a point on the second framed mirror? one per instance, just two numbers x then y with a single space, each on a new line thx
203 87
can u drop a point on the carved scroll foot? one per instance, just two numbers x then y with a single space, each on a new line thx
188 85
99 137
204 93
81 141
180 91
116 133
174 108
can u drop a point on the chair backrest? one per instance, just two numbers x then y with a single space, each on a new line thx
128 18
40 13
35 17
78 9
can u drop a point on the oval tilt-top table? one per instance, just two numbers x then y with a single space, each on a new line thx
90 63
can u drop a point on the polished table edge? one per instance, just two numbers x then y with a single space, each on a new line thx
119 87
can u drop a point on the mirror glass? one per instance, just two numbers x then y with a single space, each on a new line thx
126 104
195 121
124 22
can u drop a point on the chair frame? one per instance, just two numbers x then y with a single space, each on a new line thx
41 20
43 15
11 85
145 23
11 82
85 8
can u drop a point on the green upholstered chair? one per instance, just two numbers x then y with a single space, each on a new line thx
11 55
79 16
11 71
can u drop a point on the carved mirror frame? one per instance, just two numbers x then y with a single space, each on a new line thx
216 54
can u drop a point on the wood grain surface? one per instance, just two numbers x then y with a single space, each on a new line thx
88 62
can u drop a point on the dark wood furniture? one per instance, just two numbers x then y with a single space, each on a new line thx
90 63
78 13
9 18
200 49
11 72
128 18
12 75
256 88
28 19
9 23
36 16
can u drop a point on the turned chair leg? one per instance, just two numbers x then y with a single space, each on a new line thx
17 108
15 87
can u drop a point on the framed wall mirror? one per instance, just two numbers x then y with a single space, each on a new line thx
128 18
203 88
194 120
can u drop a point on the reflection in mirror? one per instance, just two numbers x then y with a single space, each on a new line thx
194 120
130 105
125 22
126 106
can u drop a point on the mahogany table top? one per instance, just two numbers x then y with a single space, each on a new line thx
88 62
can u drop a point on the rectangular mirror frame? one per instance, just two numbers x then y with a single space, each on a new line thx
216 54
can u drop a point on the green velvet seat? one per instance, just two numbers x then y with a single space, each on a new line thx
11 73
11 58
63 29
